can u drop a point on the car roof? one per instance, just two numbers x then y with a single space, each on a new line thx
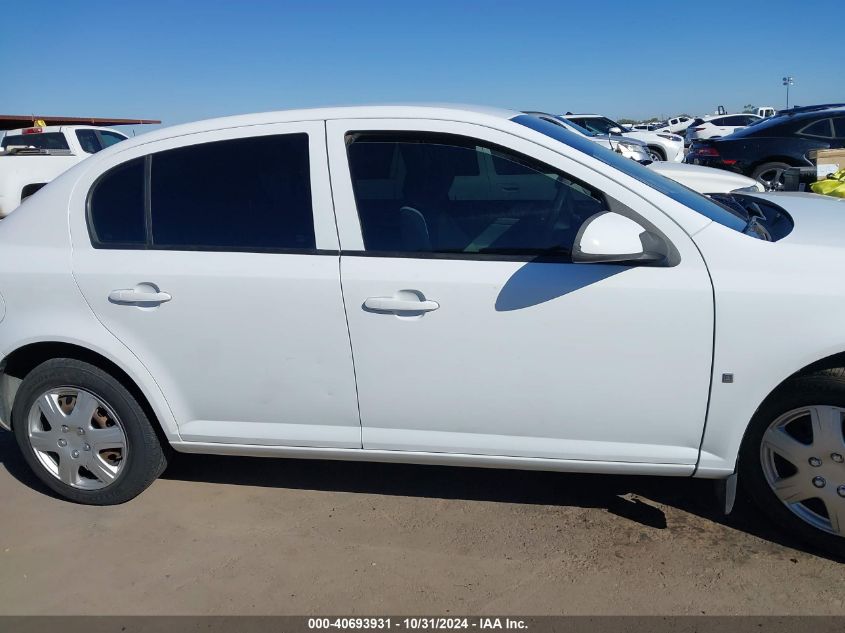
447 112
58 128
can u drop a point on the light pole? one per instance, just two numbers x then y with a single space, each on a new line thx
788 81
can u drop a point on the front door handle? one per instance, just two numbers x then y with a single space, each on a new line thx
400 304
132 296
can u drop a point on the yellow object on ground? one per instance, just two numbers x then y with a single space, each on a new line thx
833 185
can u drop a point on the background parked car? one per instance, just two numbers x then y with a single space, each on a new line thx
764 150
677 125
33 150
661 145
718 126
704 180
629 148
643 127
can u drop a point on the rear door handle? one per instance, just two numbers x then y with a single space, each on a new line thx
394 304
132 296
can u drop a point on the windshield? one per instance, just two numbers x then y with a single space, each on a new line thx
666 186
580 128
600 125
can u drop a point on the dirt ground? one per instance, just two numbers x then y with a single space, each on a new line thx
243 535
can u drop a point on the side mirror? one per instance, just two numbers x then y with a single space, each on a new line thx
609 237
615 130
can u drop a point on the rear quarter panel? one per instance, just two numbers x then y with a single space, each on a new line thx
42 301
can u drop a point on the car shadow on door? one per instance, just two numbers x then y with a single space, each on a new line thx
542 280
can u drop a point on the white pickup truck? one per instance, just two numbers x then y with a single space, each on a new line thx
31 157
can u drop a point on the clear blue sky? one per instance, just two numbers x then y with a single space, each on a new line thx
181 61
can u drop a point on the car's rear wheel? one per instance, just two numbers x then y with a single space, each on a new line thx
84 434
655 153
770 175
792 461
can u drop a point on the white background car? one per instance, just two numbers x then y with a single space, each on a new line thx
31 157
662 145
677 124
718 126
421 284
706 179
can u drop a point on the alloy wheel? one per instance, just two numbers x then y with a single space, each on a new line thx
772 179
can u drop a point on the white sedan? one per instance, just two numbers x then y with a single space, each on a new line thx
422 284
719 126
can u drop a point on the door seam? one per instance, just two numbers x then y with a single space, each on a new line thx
342 293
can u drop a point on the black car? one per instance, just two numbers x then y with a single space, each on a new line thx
766 149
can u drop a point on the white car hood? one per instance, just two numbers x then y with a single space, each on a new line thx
651 137
704 179
819 220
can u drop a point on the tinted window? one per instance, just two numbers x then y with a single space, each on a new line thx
89 141
819 128
110 138
430 203
666 186
92 141
600 125
839 127
116 206
43 140
243 194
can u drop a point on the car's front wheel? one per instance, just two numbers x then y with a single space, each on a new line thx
655 153
84 434
792 461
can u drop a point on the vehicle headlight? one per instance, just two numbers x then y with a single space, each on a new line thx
670 137
630 148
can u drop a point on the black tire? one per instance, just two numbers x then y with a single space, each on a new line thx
822 388
656 153
775 167
145 457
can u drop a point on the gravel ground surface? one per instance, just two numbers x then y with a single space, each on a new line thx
242 535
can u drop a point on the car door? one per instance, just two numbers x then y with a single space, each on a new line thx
471 329
214 258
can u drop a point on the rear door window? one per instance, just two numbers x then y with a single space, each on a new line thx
250 194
